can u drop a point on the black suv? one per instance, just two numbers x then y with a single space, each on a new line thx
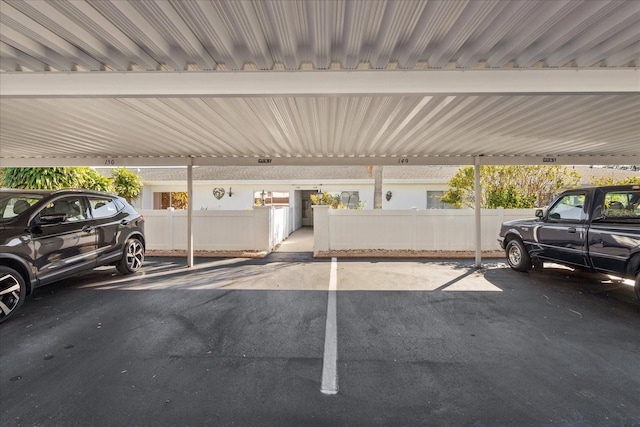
46 236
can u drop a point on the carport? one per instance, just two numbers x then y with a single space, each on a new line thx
181 83
190 83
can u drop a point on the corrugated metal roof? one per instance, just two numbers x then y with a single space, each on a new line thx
271 34
298 127
101 37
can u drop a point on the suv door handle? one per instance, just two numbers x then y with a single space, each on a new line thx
571 230
87 229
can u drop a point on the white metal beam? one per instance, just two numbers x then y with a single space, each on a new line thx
316 161
317 83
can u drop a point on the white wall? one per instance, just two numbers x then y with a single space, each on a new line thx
203 199
408 195
296 210
404 195
365 192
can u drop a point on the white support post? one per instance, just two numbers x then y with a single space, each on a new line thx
478 196
189 215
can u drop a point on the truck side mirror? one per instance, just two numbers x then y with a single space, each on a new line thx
539 213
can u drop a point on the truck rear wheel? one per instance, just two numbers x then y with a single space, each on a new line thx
517 256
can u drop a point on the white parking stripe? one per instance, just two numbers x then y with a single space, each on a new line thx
330 361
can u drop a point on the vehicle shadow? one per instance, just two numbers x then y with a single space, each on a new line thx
576 285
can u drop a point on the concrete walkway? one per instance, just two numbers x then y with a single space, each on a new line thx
300 240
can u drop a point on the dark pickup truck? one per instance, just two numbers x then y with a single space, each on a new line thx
595 228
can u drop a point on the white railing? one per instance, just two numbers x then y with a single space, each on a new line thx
436 230
258 229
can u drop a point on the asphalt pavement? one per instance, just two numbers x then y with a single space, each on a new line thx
242 342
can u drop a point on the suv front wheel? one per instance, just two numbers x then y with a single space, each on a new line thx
12 292
132 257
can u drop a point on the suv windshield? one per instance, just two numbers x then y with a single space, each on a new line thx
13 204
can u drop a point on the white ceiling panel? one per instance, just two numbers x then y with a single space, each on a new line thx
294 127
226 82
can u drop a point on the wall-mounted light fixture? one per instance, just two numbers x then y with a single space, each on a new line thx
230 193
388 195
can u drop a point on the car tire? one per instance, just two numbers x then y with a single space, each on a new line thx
517 256
637 286
13 291
132 257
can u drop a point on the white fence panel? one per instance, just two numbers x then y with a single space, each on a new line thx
361 229
263 228
444 230
221 230
437 230
280 225
158 229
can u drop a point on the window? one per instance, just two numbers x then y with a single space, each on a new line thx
433 200
103 207
14 205
569 207
271 198
350 199
175 199
622 204
71 207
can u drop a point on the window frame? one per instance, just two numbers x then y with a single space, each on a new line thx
111 200
583 208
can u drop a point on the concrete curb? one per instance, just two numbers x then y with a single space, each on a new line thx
352 253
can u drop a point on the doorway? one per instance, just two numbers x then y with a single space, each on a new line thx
306 211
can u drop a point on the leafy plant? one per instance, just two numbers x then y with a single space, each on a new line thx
95 181
176 200
55 178
509 186
123 182
325 199
126 183
508 197
630 180
334 201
